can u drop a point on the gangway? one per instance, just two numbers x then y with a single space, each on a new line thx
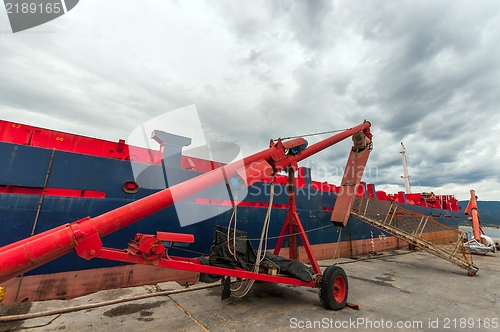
417 229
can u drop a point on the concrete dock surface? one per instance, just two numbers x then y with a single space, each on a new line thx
396 291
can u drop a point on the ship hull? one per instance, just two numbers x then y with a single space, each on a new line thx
45 188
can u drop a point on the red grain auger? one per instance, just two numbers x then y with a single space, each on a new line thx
84 236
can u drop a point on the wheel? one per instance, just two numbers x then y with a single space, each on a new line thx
334 288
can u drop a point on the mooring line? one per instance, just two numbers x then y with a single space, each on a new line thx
188 314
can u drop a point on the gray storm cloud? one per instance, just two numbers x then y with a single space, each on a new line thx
425 73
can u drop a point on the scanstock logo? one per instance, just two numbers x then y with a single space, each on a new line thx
26 14
174 143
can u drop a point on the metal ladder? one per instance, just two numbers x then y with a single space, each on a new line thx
417 229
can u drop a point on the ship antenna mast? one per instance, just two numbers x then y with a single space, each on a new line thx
405 170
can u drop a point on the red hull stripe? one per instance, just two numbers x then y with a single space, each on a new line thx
52 192
17 133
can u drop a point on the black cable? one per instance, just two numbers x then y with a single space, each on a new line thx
313 134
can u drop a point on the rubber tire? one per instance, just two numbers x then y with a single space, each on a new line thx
330 301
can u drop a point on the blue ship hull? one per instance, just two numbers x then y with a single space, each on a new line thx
26 166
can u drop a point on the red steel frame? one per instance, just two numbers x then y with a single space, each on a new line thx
293 225
194 265
84 236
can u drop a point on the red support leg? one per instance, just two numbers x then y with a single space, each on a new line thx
281 239
293 249
307 246
292 215
293 225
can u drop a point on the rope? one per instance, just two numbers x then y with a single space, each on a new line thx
267 221
313 134
101 304
263 235
234 215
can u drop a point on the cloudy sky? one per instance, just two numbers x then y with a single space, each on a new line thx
425 73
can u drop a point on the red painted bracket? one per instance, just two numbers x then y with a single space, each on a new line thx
88 241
